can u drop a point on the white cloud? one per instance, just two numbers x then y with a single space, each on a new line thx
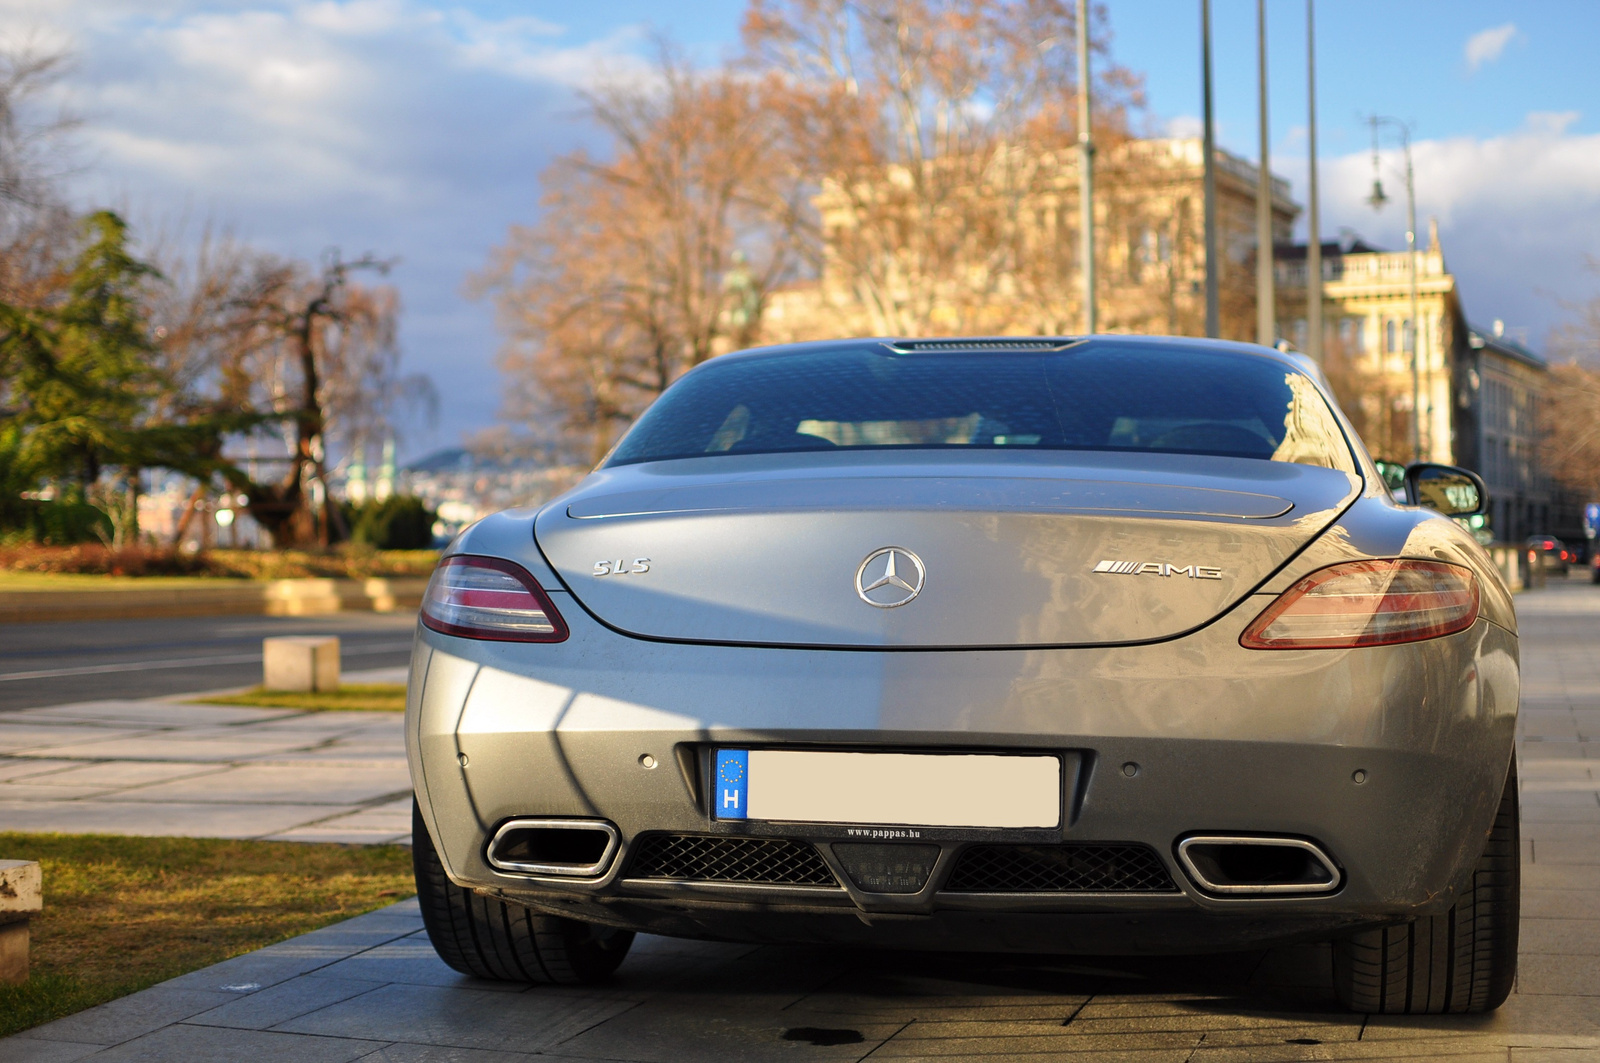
404 127
1550 123
1486 45
1518 213
1185 125
518 47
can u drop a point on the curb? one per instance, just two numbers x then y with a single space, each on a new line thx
279 597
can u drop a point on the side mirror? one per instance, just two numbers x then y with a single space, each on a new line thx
1452 491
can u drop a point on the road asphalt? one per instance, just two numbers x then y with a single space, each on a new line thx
77 661
372 989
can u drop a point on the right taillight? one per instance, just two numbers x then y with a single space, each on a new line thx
1368 603
490 598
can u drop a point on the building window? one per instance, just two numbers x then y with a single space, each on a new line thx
1389 346
1350 334
1144 246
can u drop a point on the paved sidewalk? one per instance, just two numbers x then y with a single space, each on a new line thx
372 989
163 767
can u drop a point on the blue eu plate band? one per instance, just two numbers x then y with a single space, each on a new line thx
731 797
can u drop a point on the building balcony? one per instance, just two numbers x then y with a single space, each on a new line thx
1378 268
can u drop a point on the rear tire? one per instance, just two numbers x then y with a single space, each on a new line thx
489 938
1462 961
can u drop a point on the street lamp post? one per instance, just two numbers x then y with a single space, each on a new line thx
1213 310
1377 199
1085 170
1314 221
1266 296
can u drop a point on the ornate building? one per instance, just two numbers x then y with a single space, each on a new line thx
1501 437
997 253
1478 389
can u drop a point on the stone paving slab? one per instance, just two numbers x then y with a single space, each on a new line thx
283 1003
164 767
111 774
24 738
267 783
215 819
372 989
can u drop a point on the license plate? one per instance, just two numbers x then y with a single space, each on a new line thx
915 789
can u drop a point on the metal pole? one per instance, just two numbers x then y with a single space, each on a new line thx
1085 170
1213 311
1314 222
1416 325
1414 330
1266 297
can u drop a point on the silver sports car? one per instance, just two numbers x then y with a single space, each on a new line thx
1105 645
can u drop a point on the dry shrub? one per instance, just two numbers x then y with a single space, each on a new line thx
97 560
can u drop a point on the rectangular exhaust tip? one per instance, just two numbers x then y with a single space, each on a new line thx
1235 865
570 848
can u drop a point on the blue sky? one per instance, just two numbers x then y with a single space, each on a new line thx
418 129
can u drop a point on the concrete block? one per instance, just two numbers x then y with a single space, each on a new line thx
13 952
21 887
302 597
300 662
21 894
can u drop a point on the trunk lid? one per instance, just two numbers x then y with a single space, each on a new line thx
1030 550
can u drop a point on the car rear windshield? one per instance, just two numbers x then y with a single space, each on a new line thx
1088 397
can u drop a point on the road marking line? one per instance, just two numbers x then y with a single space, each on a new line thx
178 662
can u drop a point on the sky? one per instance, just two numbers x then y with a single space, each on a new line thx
416 130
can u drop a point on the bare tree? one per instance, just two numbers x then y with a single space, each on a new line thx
1371 398
1578 338
939 131
261 344
1570 427
29 141
648 263
38 237
1569 418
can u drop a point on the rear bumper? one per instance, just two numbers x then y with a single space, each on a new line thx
1194 735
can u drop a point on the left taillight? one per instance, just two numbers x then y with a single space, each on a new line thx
490 598
1368 603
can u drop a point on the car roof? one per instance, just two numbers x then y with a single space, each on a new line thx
999 344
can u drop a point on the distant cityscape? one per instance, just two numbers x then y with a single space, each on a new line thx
460 485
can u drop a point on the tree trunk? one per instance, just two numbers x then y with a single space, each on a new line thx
188 516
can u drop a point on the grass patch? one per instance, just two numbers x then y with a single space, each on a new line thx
352 697
121 914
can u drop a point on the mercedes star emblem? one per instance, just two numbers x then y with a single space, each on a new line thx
889 577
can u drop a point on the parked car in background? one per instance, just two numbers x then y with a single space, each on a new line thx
1554 555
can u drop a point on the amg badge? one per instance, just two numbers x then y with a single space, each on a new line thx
1158 568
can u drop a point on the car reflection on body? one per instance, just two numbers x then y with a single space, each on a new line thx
1111 645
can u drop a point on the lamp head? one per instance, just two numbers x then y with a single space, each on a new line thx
1377 199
